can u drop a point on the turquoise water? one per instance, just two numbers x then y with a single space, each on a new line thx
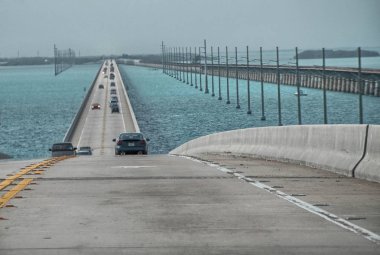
171 112
37 107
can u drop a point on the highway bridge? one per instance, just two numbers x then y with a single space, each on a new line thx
198 201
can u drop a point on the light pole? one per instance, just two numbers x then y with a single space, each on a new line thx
278 88
298 90
248 86
262 85
228 83
220 93
237 80
206 78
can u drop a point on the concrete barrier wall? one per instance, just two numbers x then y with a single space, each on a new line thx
369 167
336 148
74 122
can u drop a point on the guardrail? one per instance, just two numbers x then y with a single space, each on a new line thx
74 122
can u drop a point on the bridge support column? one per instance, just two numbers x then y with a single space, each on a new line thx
342 84
345 85
366 87
357 89
330 83
376 93
352 86
335 84
372 87
317 82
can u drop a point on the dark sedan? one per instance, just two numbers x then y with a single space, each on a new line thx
62 149
131 143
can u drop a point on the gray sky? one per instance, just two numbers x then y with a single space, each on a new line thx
97 27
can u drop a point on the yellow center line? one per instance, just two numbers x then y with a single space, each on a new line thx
48 162
13 192
26 181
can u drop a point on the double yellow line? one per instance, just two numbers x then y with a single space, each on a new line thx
23 182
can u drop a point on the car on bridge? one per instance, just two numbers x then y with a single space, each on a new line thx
84 150
113 92
115 108
131 143
113 84
95 106
113 101
62 149
101 86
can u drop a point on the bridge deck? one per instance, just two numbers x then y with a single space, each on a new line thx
97 128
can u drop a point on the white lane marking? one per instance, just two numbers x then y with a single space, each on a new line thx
302 204
132 167
121 108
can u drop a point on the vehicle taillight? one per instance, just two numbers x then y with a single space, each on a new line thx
120 142
142 142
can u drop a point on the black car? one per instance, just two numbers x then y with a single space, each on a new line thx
131 143
62 149
115 108
113 84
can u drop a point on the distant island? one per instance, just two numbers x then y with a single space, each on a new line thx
46 60
312 54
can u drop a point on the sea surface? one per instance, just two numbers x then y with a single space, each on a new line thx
36 107
171 112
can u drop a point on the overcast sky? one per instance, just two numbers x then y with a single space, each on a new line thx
96 27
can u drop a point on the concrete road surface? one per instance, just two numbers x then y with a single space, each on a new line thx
169 205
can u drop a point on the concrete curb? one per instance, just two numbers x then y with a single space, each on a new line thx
337 148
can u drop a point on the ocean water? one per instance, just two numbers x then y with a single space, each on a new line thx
37 107
171 112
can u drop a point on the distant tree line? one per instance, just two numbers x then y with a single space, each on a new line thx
46 60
